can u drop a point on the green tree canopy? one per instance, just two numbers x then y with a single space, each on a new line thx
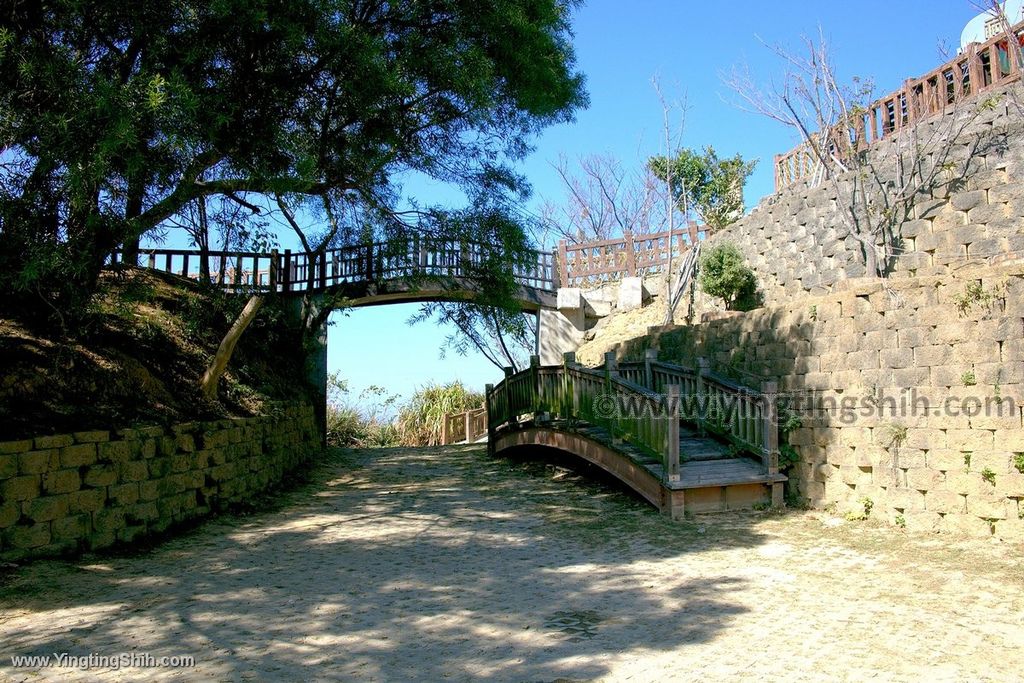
704 184
723 273
114 116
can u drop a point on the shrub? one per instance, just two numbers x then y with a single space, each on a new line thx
724 274
419 420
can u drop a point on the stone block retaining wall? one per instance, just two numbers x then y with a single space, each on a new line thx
957 337
67 493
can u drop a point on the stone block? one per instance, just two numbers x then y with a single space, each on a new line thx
896 357
10 512
108 520
88 500
569 298
47 508
631 293
7 447
924 478
91 437
28 537
185 443
1005 193
78 455
987 506
116 451
99 476
965 201
970 440
20 488
124 494
905 499
967 525
38 462
62 481
927 356
945 502
988 213
54 441
71 528
133 470
922 521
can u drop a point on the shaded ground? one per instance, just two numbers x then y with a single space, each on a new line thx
439 564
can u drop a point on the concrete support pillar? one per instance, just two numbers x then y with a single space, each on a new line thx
314 353
561 331
631 293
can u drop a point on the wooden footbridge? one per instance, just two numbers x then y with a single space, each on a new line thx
396 271
685 440
420 268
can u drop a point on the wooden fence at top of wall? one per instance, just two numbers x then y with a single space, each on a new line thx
598 261
978 68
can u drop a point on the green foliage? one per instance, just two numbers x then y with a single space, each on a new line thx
968 379
988 475
859 515
900 521
813 312
164 103
724 274
1018 462
364 423
895 435
419 421
967 461
974 294
700 181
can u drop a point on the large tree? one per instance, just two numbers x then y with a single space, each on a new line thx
115 117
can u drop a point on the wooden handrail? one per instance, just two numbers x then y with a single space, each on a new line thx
380 261
464 427
641 403
970 73
596 261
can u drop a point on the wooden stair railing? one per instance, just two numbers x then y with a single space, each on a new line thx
464 427
641 403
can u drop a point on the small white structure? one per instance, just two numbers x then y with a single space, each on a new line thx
987 24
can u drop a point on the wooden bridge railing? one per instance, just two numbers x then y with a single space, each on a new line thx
464 427
641 403
288 271
978 68
598 261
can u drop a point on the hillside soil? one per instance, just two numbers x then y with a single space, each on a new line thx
137 357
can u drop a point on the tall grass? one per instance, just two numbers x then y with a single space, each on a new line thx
420 419
365 422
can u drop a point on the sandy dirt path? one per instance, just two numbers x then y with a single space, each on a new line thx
441 564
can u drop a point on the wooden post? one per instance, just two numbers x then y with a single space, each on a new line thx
273 270
611 365
630 254
323 269
152 261
672 452
974 77
488 407
770 455
702 399
184 264
563 265
469 427
286 271
650 356
445 435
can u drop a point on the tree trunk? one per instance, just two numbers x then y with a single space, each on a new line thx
212 376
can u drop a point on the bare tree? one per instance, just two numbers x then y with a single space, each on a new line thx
829 116
603 199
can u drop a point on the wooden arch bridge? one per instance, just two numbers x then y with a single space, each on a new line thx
686 440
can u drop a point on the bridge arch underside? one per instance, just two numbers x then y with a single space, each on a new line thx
617 464
380 294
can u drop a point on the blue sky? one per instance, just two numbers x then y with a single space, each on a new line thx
688 45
